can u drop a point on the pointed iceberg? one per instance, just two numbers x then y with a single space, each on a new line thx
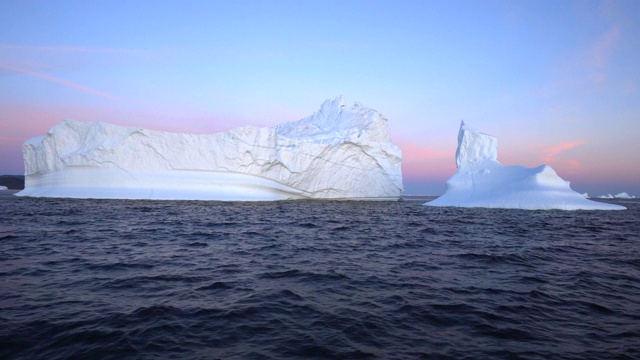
481 181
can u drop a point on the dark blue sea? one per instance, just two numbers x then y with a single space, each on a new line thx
118 279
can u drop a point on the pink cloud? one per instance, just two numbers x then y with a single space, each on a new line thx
553 156
58 80
552 152
25 120
573 165
19 122
422 153
419 162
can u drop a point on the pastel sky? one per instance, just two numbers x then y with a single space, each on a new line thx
557 82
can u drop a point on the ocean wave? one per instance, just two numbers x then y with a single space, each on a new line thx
322 279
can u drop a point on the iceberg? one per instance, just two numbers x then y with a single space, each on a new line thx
3 187
482 181
622 195
339 152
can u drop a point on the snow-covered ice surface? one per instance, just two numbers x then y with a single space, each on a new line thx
339 152
481 181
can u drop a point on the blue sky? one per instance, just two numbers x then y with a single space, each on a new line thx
556 81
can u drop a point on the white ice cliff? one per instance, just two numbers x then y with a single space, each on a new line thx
481 181
339 152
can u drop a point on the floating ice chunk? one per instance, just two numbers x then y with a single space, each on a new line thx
340 152
481 181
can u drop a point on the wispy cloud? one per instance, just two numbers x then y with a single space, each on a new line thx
552 152
64 57
599 54
39 61
601 49
553 155
589 67
72 49
59 80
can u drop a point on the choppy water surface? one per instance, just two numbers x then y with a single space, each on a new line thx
315 279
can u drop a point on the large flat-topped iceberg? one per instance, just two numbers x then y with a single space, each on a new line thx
339 152
481 181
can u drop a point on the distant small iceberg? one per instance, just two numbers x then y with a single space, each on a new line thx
3 187
622 195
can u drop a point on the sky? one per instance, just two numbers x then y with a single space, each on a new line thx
557 82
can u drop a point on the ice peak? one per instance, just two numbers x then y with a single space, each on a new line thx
336 122
333 105
474 147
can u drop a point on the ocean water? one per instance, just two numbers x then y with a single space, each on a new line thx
315 279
